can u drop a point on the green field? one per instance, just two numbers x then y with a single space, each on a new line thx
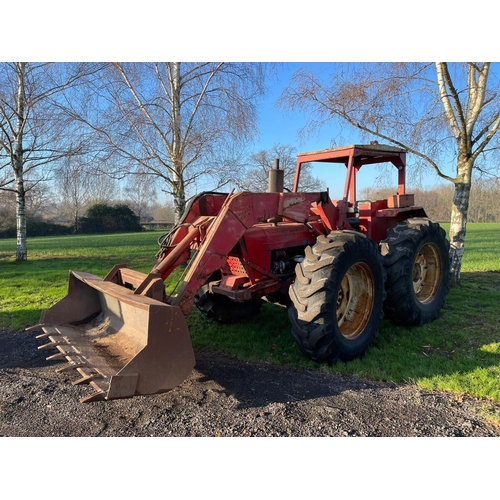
460 352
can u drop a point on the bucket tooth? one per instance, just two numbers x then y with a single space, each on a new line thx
97 396
35 327
51 345
88 374
69 366
59 355
86 379
46 334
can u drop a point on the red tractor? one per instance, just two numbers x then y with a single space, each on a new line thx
338 266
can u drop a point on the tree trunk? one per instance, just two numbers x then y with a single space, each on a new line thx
179 196
76 220
459 211
22 249
18 166
176 155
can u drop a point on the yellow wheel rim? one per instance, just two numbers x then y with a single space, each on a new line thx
427 273
355 301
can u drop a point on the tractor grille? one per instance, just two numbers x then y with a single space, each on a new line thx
236 266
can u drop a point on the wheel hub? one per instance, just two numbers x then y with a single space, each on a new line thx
427 273
355 301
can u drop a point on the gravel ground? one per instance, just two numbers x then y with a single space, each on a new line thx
224 397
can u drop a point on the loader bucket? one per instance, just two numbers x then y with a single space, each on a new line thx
122 343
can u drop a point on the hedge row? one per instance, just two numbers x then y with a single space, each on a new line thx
100 218
37 228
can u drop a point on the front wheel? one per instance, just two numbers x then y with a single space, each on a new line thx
416 259
337 297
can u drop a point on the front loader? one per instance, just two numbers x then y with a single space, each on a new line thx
338 266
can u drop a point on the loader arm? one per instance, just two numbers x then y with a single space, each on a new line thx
188 232
221 234
214 237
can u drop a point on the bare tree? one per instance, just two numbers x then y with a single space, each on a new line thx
164 212
484 206
140 191
39 202
179 121
7 209
256 175
79 183
33 133
443 113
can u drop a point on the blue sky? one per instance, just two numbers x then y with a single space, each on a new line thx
280 127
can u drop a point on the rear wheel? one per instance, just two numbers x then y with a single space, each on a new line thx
416 259
337 297
223 309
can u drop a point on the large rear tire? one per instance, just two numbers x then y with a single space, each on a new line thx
224 310
417 263
337 297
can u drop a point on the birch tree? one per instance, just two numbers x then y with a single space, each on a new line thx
178 121
445 114
33 134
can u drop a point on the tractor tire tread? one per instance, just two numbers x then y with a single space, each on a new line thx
399 251
313 295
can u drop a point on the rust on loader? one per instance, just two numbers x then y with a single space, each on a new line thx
122 342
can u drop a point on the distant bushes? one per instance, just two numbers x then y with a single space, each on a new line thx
37 228
102 218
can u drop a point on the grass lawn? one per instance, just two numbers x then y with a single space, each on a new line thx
460 352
